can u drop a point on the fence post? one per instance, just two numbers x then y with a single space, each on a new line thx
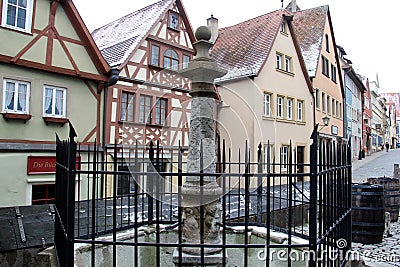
259 185
313 198
71 196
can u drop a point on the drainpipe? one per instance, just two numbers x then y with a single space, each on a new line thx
114 77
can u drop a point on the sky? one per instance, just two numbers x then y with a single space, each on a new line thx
367 30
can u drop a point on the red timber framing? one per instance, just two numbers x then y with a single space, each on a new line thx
93 81
142 78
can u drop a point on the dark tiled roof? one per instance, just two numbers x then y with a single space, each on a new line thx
118 39
243 48
309 26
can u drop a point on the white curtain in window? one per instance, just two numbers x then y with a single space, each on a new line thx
59 102
48 96
22 97
10 89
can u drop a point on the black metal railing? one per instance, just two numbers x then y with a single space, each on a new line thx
128 201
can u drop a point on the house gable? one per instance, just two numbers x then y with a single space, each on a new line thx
59 43
285 44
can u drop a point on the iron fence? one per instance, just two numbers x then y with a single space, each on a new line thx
121 206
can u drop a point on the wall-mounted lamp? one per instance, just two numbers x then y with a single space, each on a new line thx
326 120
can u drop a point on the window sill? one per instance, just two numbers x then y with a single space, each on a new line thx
16 29
285 72
143 124
17 116
155 66
55 120
268 118
172 29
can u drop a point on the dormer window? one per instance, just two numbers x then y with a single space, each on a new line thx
17 14
173 22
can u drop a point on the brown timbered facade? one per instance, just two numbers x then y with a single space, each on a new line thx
150 102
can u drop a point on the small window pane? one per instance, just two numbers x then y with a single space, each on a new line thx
155 55
186 60
22 3
173 21
11 15
21 18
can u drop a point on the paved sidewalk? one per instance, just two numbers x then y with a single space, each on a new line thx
387 253
378 164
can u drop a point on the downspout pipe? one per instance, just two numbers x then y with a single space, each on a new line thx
112 80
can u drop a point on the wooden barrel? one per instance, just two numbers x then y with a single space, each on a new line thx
391 191
368 213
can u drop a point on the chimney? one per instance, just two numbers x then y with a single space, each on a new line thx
293 6
212 24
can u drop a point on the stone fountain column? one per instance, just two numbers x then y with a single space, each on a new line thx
201 197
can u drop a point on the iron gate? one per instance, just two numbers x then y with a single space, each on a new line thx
125 189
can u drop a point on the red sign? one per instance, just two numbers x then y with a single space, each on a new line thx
43 164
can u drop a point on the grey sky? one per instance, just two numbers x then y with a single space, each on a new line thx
365 29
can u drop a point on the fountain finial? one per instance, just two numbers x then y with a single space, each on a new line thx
203 33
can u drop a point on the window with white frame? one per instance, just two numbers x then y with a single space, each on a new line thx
288 64
54 102
323 99
328 104
289 109
317 98
333 108
269 154
284 160
16 96
267 104
300 110
283 27
279 106
279 61
17 14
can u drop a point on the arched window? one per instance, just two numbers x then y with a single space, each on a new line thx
171 59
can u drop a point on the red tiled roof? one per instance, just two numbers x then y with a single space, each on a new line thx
118 39
309 26
243 48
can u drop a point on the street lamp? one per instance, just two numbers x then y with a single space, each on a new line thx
326 120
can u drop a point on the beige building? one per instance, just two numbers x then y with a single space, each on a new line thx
266 97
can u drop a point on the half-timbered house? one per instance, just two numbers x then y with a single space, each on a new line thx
51 73
150 102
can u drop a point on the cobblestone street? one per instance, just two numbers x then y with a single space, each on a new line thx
386 253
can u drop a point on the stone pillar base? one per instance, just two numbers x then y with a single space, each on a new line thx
195 260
